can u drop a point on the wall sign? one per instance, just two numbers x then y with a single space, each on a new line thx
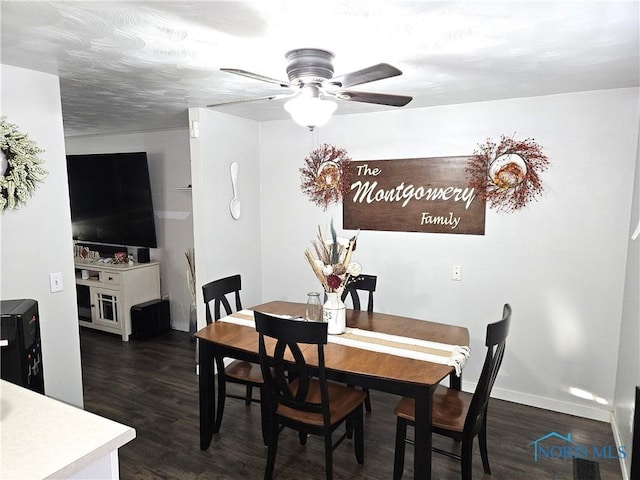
413 195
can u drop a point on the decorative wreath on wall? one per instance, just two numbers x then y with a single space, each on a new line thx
326 175
507 175
23 169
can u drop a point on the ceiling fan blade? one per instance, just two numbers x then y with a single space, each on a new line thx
378 98
254 99
257 76
366 75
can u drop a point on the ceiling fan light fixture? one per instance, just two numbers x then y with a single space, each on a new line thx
310 72
310 110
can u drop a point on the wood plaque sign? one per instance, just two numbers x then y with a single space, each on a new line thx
413 195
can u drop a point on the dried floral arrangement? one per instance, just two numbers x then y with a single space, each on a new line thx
191 273
507 175
24 167
332 264
326 174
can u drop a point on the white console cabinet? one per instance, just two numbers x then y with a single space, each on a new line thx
108 291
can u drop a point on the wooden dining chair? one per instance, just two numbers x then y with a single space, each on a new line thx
365 283
456 414
238 371
299 396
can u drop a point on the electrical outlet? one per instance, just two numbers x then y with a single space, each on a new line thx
456 273
55 282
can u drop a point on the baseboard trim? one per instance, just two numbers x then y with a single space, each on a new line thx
593 413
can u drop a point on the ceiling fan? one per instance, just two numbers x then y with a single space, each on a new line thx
310 72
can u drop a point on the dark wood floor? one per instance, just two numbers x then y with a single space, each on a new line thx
152 386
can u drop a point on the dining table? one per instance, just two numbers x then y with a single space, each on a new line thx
362 367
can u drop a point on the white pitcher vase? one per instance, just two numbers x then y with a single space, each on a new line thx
334 313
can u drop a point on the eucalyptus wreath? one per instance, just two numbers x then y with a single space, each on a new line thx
24 167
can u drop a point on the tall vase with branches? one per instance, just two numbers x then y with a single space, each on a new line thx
335 270
191 283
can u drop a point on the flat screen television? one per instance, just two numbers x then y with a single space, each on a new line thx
111 200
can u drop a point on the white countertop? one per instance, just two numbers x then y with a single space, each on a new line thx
44 438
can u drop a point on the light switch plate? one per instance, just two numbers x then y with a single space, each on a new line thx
55 282
456 273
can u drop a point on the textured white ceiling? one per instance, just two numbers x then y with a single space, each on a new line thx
136 66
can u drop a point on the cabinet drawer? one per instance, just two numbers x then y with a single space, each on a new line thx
110 278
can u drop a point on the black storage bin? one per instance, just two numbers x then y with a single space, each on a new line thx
150 319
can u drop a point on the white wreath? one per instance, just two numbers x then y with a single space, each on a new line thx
24 168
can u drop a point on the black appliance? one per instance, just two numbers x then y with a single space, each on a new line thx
150 319
141 255
20 340
110 196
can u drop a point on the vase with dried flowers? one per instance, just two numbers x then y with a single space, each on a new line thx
334 269
191 283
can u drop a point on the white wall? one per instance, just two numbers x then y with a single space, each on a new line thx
225 246
36 239
560 262
169 168
628 376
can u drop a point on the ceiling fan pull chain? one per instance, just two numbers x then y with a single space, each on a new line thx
315 138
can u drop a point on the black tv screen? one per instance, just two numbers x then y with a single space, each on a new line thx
110 198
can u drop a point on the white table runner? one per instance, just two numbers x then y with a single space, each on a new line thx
453 355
